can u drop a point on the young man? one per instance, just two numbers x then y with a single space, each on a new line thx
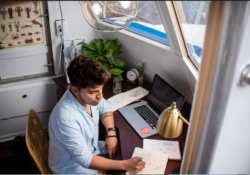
73 124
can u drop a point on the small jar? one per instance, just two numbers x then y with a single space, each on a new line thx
117 86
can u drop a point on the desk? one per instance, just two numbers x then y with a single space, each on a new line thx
128 137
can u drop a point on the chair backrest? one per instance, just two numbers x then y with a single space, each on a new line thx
37 142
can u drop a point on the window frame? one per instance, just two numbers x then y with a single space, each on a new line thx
172 28
179 35
148 36
191 53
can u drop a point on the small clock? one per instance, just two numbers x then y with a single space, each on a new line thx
132 75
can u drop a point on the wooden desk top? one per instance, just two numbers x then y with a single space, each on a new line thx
129 139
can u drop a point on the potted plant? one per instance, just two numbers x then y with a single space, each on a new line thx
103 51
141 70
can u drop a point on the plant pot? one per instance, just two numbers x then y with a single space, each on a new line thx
140 81
117 86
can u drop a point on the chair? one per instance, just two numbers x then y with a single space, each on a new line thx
37 142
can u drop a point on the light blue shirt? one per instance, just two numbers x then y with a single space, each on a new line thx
74 135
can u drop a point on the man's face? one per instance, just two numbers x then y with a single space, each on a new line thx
91 96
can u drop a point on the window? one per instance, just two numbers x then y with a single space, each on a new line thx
148 22
192 17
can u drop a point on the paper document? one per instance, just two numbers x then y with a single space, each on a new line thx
123 99
155 162
171 148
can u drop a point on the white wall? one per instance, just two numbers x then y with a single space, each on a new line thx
75 25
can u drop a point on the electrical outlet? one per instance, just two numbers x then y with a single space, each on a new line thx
59 28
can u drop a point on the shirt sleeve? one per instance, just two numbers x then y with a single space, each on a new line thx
70 136
104 107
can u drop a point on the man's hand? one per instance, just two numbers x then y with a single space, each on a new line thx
134 166
112 144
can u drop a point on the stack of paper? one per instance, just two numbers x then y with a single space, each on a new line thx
123 99
155 162
171 148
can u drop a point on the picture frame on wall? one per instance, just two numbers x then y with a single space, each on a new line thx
21 24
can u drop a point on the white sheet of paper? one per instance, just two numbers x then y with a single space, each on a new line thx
136 93
123 99
118 100
171 148
155 162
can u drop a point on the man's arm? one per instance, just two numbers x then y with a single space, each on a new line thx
107 119
133 165
70 136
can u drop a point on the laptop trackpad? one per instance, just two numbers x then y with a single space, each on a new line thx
138 123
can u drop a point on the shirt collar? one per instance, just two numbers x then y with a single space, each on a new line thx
74 100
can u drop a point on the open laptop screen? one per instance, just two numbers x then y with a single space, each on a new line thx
162 95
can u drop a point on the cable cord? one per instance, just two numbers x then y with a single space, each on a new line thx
62 39
60 56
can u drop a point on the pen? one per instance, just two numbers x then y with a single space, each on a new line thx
139 159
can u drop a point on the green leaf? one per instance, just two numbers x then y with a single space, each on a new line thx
112 51
87 51
105 65
119 63
120 52
116 71
91 46
81 43
116 49
92 55
117 77
109 54
84 51
102 58
110 43
105 46
99 45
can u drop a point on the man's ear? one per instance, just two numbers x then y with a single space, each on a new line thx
74 90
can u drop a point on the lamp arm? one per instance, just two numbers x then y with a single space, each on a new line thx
184 120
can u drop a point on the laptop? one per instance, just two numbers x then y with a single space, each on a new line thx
143 116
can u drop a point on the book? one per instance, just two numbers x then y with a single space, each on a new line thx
171 148
155 162
122 99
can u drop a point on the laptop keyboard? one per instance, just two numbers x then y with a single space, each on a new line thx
147 115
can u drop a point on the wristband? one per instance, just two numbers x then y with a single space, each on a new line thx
110 129
111 136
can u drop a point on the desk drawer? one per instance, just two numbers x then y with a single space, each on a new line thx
18 102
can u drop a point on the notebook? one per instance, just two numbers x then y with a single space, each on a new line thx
155 162
123 99
143 116
171 148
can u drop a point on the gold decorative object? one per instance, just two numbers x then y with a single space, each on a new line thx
141 70
140 81
170 123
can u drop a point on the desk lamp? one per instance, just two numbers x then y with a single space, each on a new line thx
109 16
170 123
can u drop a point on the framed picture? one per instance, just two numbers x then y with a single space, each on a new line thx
21 24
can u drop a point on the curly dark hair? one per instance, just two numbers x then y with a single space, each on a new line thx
86 72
